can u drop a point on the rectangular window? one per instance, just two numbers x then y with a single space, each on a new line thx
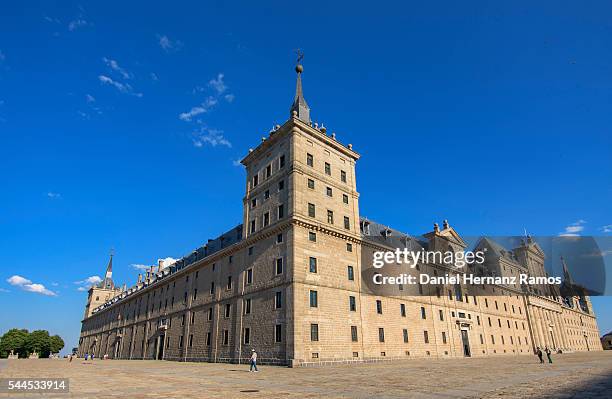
313 265
253 202
441 315
354 334
181 341
249 276
279 238
311 184
191 340
379 306
426 337
492 339
225 337
281 185
268 171
253 226
343 176
311 210
250 251
266 194
183 320
402 310
330 217
278 333
281 211
312 236
443 337
352 304
327 169
351 273
229 282
247 335
207 339
381 334
481 340
347 223
228 308
255 180
314 301
329 192
423 314
281 161
193 318
405 333
345 198
309 160
279 266
210 314
349 247
278 300
314 332
266 219
247 306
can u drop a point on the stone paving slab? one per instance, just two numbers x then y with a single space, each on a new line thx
577 375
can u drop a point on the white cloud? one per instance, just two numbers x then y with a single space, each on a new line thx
229 98
27 285
573 229
122 87
166 262
198 109
4 290
167 45
139 266
89 280
77 23
82 289
218 84
53 195
154 76
607 228
211 137
89 98
112 64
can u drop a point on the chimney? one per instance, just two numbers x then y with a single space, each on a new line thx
139 278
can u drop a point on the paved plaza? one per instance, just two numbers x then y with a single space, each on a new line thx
577 375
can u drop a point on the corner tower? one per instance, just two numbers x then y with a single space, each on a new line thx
101 292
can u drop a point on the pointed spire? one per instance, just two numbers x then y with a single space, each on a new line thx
566 274
108 277
300 108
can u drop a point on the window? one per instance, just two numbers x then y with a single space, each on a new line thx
327 168
207 339
311 210
225 337
281 211
314 301
253 226
379 306
330 217
247 335
210 314
314 333
492 339
423 314
352 304
441 315
278 300
347 223
255 180
351 273
354 333
312 236
313 265
268 171
266 219
402 310
329 192
426 336
266 194
183 320
281 185
229 282
228 307
311 184
309 160
250 251
278 333
279 238
443 337
190 340
279 266
381 334
253 202
481 340
343 176
247 306
349 247
405 334
249 276
281 161
181 341
489 321
195 294
345 198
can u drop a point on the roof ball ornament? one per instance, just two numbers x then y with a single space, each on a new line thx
445 224
436 228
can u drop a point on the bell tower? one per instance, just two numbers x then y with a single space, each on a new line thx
103 291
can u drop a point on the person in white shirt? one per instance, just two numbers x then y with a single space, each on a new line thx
253 361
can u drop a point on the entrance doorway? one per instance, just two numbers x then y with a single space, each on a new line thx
117 346
466 343
159 347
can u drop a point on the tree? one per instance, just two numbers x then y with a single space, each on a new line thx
56 343
39 341
14 340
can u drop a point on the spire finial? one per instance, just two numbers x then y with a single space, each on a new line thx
300 107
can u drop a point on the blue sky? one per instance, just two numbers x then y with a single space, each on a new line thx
121 124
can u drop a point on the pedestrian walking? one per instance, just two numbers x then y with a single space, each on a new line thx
86 356
539 353
548 352
253 361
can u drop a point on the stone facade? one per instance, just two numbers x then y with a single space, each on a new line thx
288 282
